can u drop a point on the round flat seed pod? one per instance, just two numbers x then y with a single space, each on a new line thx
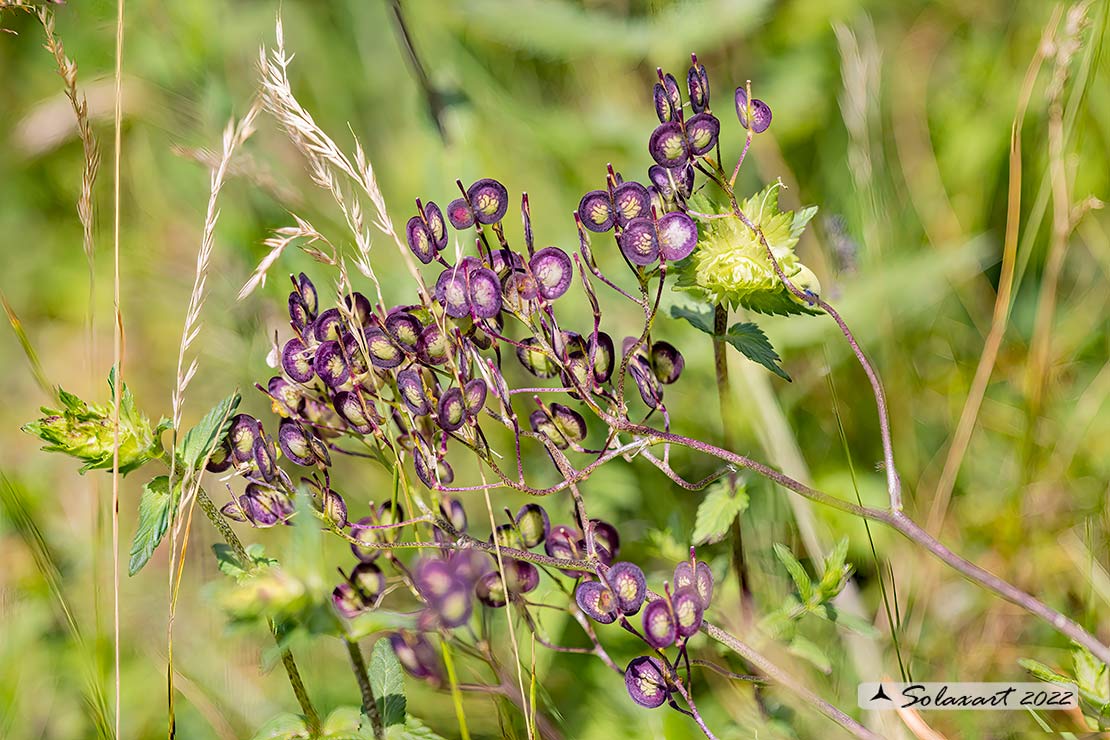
553 272
569 422
687 610
663 108
484 293
328 326
404 329
474 396
660 628
412 392
678 235
703 582
383 352
489 199
668 146
459 214
437 228
701 133
330 364
629 586
294 444
296 361
242 434
667 362
631 200
534 360
533 524
596 211
639 243
348 405
434 346
596 601
645 682
451 411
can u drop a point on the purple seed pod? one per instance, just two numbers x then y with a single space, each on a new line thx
489 199
451 410
534 360
646 382
349 406
490 590
330 364
523 577
668 146
553 272
570 423
645 682
544 425
296 361
294 444
307 292
667 362
452 510
459 214
389 513
697 83
452 286
501 260
416 655
664 180
474 396
660 629
404 329
670 84
639 243
469 565
334 509
298 314
533 524
319 450
233 511
369 580
701 133
760 112
265 507
347 601
411 388
434 346
601 351
432 473
703 582
663 108
220 459
361 533
596 601
518 290
359 307
629 586
484 293
286 398
596 211
686 603
434 578
464 267
683 574
454 607
631 200
507 535
356 358
328 325
384 353
603 555
605 534
678 235
265 457
242 433
433 217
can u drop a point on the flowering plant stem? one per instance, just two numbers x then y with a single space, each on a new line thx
369 703
312 717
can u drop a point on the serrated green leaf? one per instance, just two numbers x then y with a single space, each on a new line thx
1041 671
718 510
412 729
388 683
809 651
346 723
209 432
751 342
229 565
699 319
797 572
154 520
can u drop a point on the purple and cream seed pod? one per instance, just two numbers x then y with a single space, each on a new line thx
660 629
677 234
533 524
459 214
434 346
294 443
668 145
605 534
697 84
404 329
702 132
703 582
297 361
220 459
683 574
489 200
523 577
663 108
330 365
433 218
674 94
553 272
454 512
452 291
507 535
242 433
596 211
411 388
756 116
474 396
597 601
631 200
483 293
544 425
307 291
355 411
451 410
328 325
369 580
347 601
265 457
359 307
639 242
298 314
490 590
364 536
535 360
646 383
600 350
687 608
384 354
629 586
645 682
334 509
667 362
416 655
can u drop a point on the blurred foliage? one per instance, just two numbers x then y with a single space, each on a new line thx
894 118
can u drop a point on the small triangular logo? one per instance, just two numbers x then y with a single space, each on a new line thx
881 694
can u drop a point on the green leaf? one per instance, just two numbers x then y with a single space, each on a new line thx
1091 675
388 683
154 520
1043 672
209 432
836 571
807 650
718 510
797 572
698 318
286 726
229 564
750 340
412 729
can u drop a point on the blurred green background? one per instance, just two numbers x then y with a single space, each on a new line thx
894 118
